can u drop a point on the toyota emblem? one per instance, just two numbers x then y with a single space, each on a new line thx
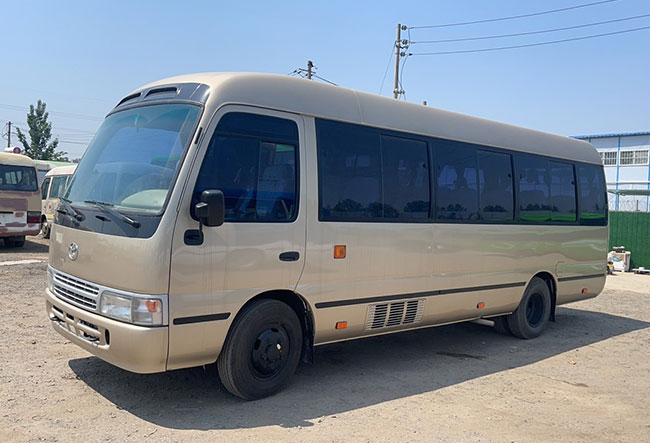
73 251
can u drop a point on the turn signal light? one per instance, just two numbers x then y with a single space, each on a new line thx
480 305
153 305
339 251
585 290
341 324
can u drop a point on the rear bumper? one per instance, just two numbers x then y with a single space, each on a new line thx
23 229
134 348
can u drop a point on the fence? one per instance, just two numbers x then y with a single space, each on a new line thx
632 230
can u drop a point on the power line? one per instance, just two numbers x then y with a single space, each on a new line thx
531 32
62 114
512 17
500 48
390 58
324 79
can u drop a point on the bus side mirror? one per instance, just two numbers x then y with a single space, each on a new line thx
211 210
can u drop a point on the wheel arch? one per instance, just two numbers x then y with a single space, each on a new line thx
302 309
552 287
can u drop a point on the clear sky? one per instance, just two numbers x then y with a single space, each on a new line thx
81 57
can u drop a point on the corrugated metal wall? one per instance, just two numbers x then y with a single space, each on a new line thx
632 230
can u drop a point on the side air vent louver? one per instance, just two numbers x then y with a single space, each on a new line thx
386 315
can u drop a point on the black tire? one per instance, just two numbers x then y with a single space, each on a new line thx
501 325
15 242
532 315
45 228
262 350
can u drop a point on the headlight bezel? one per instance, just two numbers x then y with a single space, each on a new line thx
133 309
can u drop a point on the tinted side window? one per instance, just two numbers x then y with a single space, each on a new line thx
534 189
349 167
405 175
593 195
496 201
44 188
254 165
563 192
457 182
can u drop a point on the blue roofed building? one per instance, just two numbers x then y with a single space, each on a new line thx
627 169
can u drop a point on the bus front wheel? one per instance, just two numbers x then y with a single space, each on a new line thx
262 350
45 228
531 317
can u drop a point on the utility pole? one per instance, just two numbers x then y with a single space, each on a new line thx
310 65
9 136
398 54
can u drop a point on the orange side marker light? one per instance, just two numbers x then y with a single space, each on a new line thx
480 305
585 290
341 324
339 251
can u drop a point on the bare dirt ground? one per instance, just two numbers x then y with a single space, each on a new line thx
586 379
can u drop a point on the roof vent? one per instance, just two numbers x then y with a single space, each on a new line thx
129 98
165 90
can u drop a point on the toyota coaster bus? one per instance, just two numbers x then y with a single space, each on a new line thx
245 218
20 200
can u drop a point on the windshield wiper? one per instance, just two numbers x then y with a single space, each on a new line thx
70 210
107 207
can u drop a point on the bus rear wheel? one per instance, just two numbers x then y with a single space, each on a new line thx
262 350
532 315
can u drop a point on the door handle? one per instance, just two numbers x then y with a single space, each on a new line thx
290 256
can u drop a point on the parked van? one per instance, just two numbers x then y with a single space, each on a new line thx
54 184
245 218
20 203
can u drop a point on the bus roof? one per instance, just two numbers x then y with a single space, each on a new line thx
61 170
7 158
317 99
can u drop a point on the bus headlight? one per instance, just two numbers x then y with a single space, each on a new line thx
136 310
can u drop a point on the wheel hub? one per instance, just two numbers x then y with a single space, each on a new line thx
269 352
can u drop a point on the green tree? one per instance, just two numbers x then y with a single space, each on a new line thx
40 133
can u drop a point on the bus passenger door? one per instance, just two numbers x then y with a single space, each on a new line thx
253 157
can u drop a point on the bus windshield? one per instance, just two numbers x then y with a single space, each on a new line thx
18 178
132 161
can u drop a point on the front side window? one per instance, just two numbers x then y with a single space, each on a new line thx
368 176
253 160
18 178
133 159
44 188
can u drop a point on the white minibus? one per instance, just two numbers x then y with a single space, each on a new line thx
20 207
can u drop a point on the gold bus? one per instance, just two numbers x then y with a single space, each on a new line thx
20 200
245 218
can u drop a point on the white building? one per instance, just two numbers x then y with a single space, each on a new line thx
627 170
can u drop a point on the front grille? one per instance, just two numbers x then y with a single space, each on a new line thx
386 315
75 291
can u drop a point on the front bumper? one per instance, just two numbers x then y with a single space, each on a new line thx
134 348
